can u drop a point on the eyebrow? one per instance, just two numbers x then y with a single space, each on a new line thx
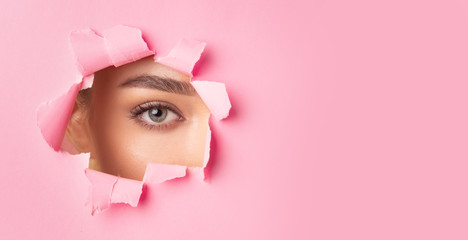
160 83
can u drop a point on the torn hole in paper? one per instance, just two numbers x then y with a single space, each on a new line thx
142 120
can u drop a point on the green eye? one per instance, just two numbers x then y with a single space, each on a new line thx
157 114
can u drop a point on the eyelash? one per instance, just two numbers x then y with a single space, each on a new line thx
137 111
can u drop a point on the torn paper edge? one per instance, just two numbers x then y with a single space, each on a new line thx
215 96
117 46
125 44
53 116
93 52
183 56
106 189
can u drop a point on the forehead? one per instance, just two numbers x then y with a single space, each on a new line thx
114 76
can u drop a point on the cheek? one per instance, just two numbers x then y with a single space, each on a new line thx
182 145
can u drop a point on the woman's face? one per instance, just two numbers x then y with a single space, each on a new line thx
145 112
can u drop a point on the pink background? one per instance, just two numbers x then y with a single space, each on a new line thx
349 121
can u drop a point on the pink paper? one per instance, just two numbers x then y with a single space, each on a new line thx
157 173
207 147
196 173
215 96
53 116
102 186
106 189
88 81
374 145
184 55
125 44
117 46
127 191
89 50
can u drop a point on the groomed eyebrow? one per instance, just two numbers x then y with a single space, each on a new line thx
160 83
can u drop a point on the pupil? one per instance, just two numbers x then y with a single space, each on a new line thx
156 112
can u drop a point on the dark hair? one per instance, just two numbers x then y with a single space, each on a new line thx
83 97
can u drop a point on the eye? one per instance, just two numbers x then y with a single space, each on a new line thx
159 115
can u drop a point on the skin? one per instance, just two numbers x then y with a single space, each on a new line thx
123 144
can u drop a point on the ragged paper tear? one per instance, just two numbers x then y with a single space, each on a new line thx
53 116
126 191
158 173
118 46
100 192
125 44
89 50
184 55
215 96
106 188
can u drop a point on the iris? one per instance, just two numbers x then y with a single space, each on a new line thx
157 114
